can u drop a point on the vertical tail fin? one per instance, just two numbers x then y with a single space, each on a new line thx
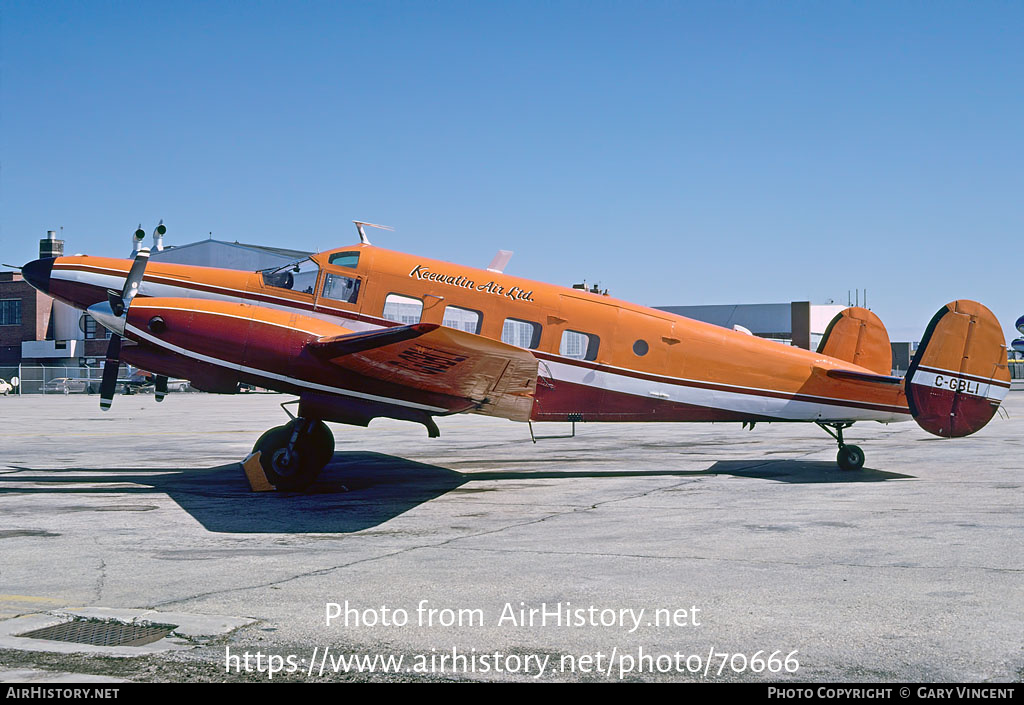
959 375
858 336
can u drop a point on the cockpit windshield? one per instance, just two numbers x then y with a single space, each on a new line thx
297 276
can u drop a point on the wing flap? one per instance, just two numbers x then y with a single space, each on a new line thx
500 379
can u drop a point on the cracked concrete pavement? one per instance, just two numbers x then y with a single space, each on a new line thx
909 570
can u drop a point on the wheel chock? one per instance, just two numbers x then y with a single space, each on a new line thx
254 473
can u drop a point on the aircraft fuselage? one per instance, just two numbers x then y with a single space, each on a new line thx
599 358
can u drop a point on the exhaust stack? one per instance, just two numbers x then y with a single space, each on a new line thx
158 236
137 237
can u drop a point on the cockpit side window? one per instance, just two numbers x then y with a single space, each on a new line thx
298 276
345 259
341 288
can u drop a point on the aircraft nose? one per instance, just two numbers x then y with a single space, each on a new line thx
37 273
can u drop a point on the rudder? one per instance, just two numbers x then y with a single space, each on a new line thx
959 375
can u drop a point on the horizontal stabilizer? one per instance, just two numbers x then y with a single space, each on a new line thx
864 377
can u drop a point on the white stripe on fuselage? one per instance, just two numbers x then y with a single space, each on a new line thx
139 333
752 401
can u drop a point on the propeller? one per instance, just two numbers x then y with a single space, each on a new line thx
112 315
110 369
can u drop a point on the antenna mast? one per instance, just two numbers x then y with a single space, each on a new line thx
362 234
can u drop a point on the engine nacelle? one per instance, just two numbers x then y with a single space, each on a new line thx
219 344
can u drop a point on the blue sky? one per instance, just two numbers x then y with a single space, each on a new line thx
675 152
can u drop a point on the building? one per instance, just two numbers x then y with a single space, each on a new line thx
24 316
227 255
799 323
35 330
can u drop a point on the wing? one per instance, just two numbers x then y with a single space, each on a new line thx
497 378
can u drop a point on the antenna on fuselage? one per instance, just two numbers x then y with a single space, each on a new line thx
500 261
362 235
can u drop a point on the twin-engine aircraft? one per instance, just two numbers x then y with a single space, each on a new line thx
361 332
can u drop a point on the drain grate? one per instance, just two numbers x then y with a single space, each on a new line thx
99 633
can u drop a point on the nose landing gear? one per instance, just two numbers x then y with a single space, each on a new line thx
294 454
849 457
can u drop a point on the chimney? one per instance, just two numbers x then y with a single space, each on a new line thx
50 246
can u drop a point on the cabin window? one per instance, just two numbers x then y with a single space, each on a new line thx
345 259
341 288
297 276
523 334
640 348
462 318
402 309
580 346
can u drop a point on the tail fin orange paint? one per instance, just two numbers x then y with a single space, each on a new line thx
959 375
857 335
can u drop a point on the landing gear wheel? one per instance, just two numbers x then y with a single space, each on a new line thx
322 444
297 468
850 458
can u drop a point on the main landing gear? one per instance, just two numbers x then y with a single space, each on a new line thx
294 454
849 457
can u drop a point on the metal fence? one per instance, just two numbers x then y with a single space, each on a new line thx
36 379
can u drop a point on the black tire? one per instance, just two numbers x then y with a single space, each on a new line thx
850 458
322 445
311 453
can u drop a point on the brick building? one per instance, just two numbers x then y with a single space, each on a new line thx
24 316
36 330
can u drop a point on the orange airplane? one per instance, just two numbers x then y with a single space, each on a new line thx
361 332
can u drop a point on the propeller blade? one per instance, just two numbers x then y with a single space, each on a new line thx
110 368
112 317
161 387
134 279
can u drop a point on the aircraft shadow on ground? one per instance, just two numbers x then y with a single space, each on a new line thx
357 490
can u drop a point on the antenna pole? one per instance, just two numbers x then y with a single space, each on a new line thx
362 233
